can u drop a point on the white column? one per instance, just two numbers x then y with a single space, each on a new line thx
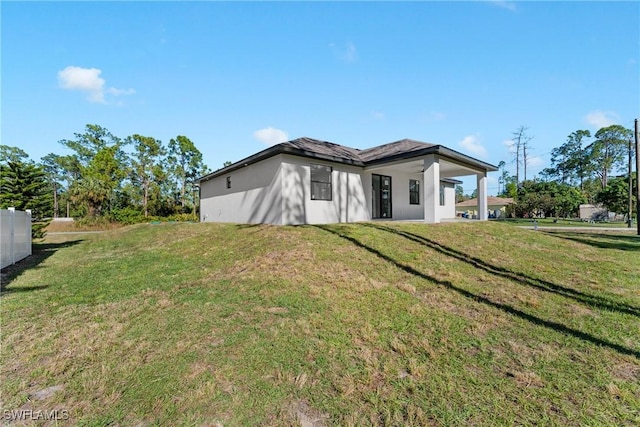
431 184
482 196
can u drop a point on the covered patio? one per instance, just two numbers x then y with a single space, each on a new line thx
437 169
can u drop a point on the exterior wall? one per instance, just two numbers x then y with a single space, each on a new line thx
449 208
349 202
400 207
255 195
277 190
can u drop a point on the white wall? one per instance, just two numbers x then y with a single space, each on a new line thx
255 195
449 209
277 191
400 207
348 203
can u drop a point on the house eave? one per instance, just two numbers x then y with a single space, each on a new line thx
274 151
439 150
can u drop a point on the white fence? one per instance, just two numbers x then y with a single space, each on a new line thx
15 237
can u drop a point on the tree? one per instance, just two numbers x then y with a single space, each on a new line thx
146 165
23 185
608 151
186 164
615 197
12 154
54 168
547 198
570 161
96 168
459 194
520 150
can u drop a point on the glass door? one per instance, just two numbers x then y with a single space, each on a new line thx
381 196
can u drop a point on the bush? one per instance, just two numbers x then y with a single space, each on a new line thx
183 217
37 229
127 216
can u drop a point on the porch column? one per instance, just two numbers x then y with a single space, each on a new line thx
482 196
431 179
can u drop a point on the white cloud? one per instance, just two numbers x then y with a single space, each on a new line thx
510 145
271 136
347 53
535 161
510 5
120 92
88 80
601 119
472 144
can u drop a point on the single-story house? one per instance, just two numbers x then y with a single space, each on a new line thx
497 207
306 181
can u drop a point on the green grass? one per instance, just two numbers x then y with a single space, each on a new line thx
561 222
359 324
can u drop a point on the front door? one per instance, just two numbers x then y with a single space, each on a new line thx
381 197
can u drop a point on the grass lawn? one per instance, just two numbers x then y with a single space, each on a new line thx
561 222
358 324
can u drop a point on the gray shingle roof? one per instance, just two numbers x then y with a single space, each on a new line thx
324 150
393 149
314 146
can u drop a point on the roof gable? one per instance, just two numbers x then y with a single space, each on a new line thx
391 149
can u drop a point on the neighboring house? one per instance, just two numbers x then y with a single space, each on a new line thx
497 207
306 181
589 212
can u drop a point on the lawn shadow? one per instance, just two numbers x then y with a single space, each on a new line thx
600 240
521 278
40 252
558 327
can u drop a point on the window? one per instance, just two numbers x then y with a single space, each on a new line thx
414 192
321 182
441 194
228 182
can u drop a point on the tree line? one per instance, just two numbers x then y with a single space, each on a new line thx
582 170
105 177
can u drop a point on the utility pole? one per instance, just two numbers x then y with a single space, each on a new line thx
637 176
630 210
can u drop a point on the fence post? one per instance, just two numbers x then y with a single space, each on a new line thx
28 236
12 239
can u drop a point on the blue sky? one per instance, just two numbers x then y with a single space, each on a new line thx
236 77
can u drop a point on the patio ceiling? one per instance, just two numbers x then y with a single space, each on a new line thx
448 168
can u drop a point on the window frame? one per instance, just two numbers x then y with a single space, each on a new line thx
228 182
442 195
414 193
327 184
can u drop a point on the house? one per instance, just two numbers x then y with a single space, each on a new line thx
306 181
497 207
588 212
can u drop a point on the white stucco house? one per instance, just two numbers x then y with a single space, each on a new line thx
306 181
